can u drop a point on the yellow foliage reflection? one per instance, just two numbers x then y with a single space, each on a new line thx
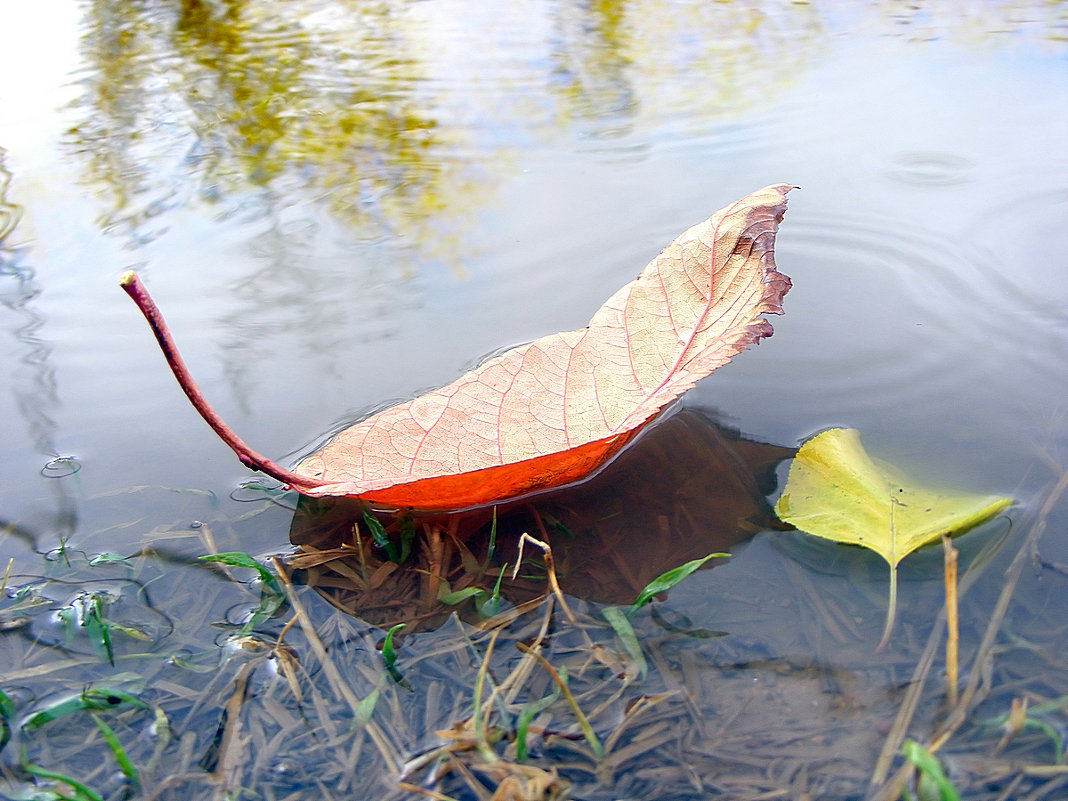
401 117
218 99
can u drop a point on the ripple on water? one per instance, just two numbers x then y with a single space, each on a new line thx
931 168
926 314
1025 235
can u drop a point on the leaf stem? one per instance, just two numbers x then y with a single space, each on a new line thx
133 287
890 610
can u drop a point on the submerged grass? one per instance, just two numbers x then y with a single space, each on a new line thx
241 687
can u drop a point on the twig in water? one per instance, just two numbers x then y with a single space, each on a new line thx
550 569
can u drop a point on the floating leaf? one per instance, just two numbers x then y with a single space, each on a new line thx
836 491
553 411
240 559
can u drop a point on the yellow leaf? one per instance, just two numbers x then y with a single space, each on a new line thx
837 492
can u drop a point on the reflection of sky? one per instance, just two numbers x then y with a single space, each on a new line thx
37 72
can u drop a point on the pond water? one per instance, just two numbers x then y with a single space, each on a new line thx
339 203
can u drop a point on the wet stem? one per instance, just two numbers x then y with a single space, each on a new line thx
133 287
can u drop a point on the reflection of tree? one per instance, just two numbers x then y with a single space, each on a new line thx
292 100
590 64
666 65
302 100
998 23
34 383
678 65
33 380
278 307
9 213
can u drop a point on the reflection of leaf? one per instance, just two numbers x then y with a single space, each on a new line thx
835 491
552 411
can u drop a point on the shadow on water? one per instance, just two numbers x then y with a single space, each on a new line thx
686 489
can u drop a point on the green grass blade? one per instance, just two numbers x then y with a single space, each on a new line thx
481 743
930 771
665 581
682 625
7 575
121 758
239 559
381 539
1049 731
53 712
7 706
389 656
97 629
491 604
459 596
82 791
69 619
107 698
94 699
584 723
271 595
109 558
625 632
366 707
7 714
407 537
266 608
492 538
531 711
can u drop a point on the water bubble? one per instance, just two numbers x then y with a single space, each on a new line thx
61 467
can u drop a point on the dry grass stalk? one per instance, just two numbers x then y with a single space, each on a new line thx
339 686
550 569
890 789
952 625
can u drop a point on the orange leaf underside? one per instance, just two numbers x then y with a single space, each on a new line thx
464 490
551 412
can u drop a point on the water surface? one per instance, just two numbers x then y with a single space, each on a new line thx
340 203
